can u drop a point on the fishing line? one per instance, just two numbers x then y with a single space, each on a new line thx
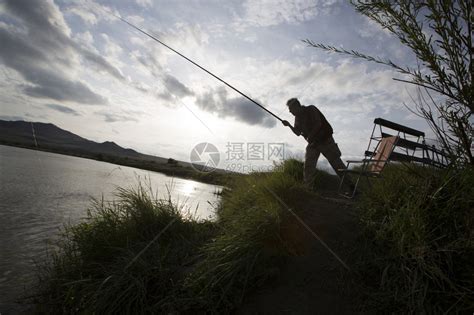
37 154
164 85
301 93
191 61
34 135
182 102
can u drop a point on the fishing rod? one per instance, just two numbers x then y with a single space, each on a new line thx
194 63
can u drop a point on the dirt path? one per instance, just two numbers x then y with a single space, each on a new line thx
313 281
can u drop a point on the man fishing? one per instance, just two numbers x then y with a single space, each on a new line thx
313 126
309 122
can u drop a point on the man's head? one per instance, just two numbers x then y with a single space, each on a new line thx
294 106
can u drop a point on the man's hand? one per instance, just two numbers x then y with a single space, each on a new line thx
287 124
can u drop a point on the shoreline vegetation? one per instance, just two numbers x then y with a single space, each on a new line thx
413 249
171 167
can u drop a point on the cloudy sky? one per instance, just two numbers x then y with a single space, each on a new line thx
73 64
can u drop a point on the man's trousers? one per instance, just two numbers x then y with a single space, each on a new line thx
331 152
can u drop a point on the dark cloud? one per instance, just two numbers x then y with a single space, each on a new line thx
140 87
173 90
217 101
175 87
166 96
45 55
63 109
101 63
46 82
50 85
113 117
150 62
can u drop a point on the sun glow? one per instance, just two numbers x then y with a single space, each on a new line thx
187 188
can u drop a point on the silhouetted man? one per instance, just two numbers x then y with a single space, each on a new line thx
313 126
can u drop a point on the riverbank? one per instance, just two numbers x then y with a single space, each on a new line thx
40 192
407 244
168 167
50 138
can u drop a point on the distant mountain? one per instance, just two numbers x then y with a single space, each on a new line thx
52 138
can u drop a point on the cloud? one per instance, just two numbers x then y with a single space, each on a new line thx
44 53
371 29
172 90
187 38
86 15
100 63
11 118
144 3
63 90
347 86
147 61
218 102
265 13
35 67
111 48
135 19
175 87
170 87
63 109
90 11
86 39
117 117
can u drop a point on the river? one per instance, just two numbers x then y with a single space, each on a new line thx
41 191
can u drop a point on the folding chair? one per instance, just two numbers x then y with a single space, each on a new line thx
373 165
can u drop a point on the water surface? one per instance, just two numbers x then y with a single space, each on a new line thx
40 192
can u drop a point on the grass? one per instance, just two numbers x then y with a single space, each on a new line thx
142 255
124 258
250 244
419 225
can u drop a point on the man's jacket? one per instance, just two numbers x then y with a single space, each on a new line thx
311 119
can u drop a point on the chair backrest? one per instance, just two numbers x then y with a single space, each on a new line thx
383 151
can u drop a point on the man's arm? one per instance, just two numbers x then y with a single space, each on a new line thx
295 130
316 126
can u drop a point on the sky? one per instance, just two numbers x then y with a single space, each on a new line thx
73 64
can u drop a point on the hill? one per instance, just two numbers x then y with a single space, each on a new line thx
49 136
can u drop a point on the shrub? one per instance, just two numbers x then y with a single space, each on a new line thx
420 224
142 255
250 245
126 257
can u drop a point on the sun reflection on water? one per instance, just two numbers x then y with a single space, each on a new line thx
188 188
